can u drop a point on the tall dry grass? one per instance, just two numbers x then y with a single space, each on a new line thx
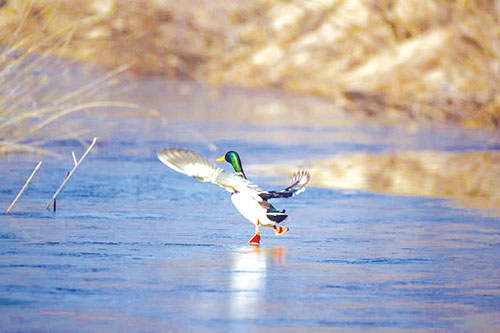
33 106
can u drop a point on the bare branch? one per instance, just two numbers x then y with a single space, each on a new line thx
24 187
70 173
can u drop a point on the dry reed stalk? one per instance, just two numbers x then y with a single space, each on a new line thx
23 114
24 187
8 146
53 200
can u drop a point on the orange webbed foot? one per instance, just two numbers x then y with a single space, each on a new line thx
255 239
280 230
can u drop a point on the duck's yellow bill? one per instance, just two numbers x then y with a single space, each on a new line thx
221 159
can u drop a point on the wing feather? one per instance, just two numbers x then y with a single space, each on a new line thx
297 185
190 163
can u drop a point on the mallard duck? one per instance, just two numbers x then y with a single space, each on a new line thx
250 200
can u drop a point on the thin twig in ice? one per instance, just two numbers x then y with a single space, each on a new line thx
70 173
24 187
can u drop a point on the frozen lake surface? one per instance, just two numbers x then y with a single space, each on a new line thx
135 246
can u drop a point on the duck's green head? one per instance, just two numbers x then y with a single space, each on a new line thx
233 158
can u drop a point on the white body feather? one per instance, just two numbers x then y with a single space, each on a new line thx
248 205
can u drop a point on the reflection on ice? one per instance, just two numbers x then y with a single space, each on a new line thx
248 279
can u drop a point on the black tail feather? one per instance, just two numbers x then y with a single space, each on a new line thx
277 218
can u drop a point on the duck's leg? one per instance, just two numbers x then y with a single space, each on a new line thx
256 237
280 230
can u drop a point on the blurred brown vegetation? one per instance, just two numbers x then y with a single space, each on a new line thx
428 60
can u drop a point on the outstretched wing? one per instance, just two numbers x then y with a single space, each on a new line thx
190 163
298 185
